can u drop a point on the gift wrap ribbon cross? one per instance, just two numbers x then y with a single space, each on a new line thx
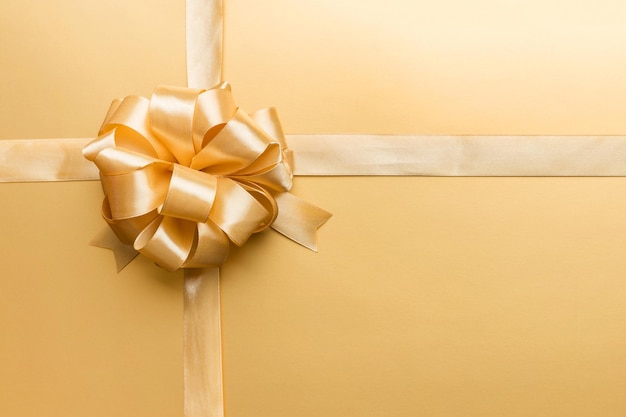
187 172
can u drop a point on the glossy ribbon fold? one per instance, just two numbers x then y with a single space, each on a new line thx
187 172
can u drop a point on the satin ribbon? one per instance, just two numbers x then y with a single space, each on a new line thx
204 42
28 160
185 174
202 356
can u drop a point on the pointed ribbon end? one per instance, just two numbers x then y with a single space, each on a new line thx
123 253
299 220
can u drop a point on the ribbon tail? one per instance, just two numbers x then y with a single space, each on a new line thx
299 220
203 393
107 239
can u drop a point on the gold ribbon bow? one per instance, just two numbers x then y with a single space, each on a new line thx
187 172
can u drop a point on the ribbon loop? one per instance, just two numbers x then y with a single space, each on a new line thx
237 212
211 249
171 118
190 195
168 241
237 145
148 192
268 120
214 108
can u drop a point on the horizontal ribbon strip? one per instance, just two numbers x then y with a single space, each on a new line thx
34 160
460 156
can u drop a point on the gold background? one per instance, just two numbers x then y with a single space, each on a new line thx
430 296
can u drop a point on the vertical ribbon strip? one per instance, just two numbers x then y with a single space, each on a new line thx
205 34
203 388
185 174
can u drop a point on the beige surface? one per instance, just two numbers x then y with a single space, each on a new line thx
430 296
417 66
